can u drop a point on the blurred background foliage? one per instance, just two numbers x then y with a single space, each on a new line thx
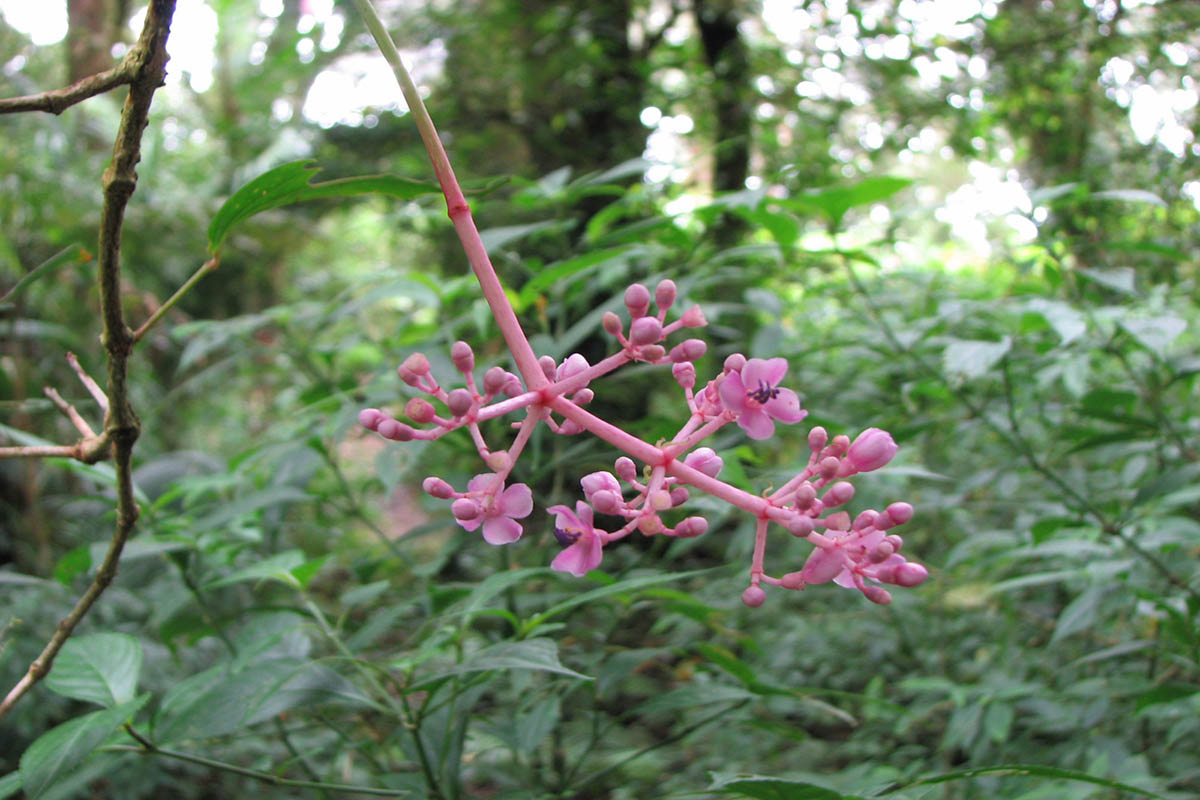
971 223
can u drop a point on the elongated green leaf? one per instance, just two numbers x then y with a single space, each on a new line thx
1130 196
1026 771
1156 333
965 359
835 201
10 784
59 750
1120 279
621 587
101 668
764 788
497 583
533 654
278 567
291 183
559 270
73 253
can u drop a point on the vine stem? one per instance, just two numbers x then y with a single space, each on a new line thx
456 206
147 65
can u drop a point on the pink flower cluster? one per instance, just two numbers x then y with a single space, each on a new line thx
861 553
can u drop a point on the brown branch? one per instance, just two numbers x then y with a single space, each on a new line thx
93 388
57 101
69 410
147 63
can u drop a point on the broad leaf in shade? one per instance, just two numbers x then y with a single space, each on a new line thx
101 668
292 183
835 201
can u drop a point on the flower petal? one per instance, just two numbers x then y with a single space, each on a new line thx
581 557
785 407
733 393
756 424
516 501
501 530
764 370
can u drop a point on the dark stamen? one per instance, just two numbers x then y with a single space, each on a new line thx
566 537
763 393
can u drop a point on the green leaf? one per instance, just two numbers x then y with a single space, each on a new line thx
764 788
1026 771
1079 615
727 661
1130 196
100 668
964 359
620 587
532 654
10 784
552 274
71 253
1167 693
278 567
1119 279
835 201
496 583
1155 333
59 750
496 238
291 183
1068 323
534 725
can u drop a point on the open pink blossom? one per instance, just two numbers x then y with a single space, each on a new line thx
500 511
753 394
583 546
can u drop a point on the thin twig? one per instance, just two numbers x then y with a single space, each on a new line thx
93 388
146 62
69 410
205 268
57 101
148 748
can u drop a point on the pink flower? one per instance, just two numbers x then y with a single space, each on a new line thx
753 394
501 509
872 449
583 546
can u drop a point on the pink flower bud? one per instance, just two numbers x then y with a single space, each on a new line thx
548 366
637 300
895 541
438 488
462 356
570 427
606 501
871 450
793 581
664 294
396 431
753 597
514 386
693 318
865 520
370 418
626 469
910 574
459 402
734 362
878 595
571 365
685 375
500 461
494 380
839 445
691 527
465 508
688 350
645 330
407 375
660 500
828 467
817 438
417 363
611 323
799 525
806 493
597 481
418 410
706 460
650 524
839 521
899 513
583 397
653 352
840 492
679 496
881 552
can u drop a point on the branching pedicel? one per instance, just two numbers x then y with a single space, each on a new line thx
746 391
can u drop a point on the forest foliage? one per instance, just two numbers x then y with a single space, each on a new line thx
971 224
